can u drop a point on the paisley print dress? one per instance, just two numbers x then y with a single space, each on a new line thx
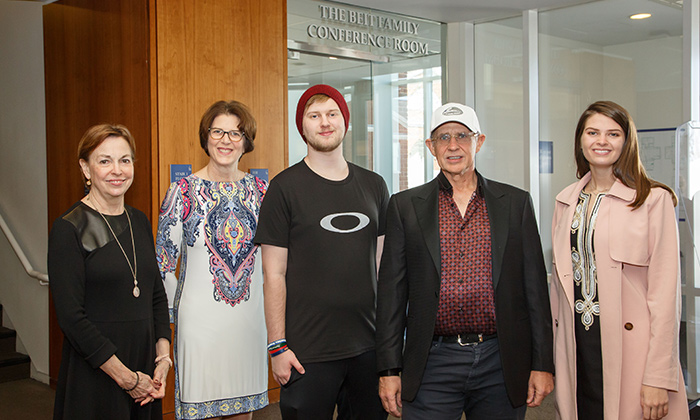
216 301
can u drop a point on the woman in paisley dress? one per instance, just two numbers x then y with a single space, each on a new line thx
207 223
615 281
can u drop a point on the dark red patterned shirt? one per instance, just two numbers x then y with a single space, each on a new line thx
466 289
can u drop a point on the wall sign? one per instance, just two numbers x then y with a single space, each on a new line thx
260 173
331 24
179 171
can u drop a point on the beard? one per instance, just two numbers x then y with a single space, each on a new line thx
327 145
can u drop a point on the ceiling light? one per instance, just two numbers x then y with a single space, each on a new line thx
639 16
332 58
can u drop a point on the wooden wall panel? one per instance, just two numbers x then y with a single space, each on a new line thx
220 49
96 70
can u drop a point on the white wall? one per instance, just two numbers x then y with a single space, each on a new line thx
644 77
498 93
658 81
297 146
23 201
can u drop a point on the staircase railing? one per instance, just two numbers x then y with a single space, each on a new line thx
42 277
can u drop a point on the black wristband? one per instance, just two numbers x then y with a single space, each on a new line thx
135 385
390 372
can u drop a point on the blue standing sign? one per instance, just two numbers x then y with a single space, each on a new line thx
179 171
260 173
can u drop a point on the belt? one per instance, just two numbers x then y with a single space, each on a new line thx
467 339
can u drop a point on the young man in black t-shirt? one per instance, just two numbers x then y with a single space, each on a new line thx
321 229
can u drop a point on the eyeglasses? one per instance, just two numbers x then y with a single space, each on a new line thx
218 134
462 138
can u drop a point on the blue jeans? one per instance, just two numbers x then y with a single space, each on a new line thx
462 379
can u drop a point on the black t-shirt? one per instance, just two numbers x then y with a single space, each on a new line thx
330 230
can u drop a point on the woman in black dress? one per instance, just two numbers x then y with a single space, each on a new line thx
107 291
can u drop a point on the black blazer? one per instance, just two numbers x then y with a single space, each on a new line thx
409 278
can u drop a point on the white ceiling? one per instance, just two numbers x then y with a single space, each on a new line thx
449 11
598 22
583 23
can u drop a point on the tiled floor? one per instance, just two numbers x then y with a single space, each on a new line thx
32 400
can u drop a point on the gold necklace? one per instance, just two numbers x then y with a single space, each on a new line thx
134 269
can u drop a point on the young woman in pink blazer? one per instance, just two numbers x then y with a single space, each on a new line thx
615 290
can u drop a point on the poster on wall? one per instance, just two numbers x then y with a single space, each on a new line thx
657 148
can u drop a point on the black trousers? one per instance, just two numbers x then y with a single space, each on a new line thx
350 383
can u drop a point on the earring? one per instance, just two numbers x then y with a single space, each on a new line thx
88 182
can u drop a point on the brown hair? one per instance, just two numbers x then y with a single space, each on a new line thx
247 123
319 97
95 135
628 168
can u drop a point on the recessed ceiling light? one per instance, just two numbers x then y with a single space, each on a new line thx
639 16
332 58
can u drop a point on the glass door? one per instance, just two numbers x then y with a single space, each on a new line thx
352 78
390 108
387 66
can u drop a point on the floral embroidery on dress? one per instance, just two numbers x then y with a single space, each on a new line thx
583 259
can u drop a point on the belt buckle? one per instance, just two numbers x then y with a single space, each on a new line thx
473 343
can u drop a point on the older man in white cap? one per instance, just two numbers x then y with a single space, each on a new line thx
463 310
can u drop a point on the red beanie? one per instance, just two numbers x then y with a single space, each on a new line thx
324 90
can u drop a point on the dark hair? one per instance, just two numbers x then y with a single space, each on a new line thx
95 135
628 168
247 123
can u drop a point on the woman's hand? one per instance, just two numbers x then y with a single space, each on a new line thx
143 388
654 402
137 384
160 375
163 365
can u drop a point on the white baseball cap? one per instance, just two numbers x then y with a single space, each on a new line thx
454 112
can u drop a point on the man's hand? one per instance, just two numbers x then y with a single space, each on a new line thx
390 394
654 402
282 366
538 387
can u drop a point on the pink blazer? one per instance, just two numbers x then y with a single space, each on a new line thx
637 262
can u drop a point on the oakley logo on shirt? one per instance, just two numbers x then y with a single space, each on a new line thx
327 222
